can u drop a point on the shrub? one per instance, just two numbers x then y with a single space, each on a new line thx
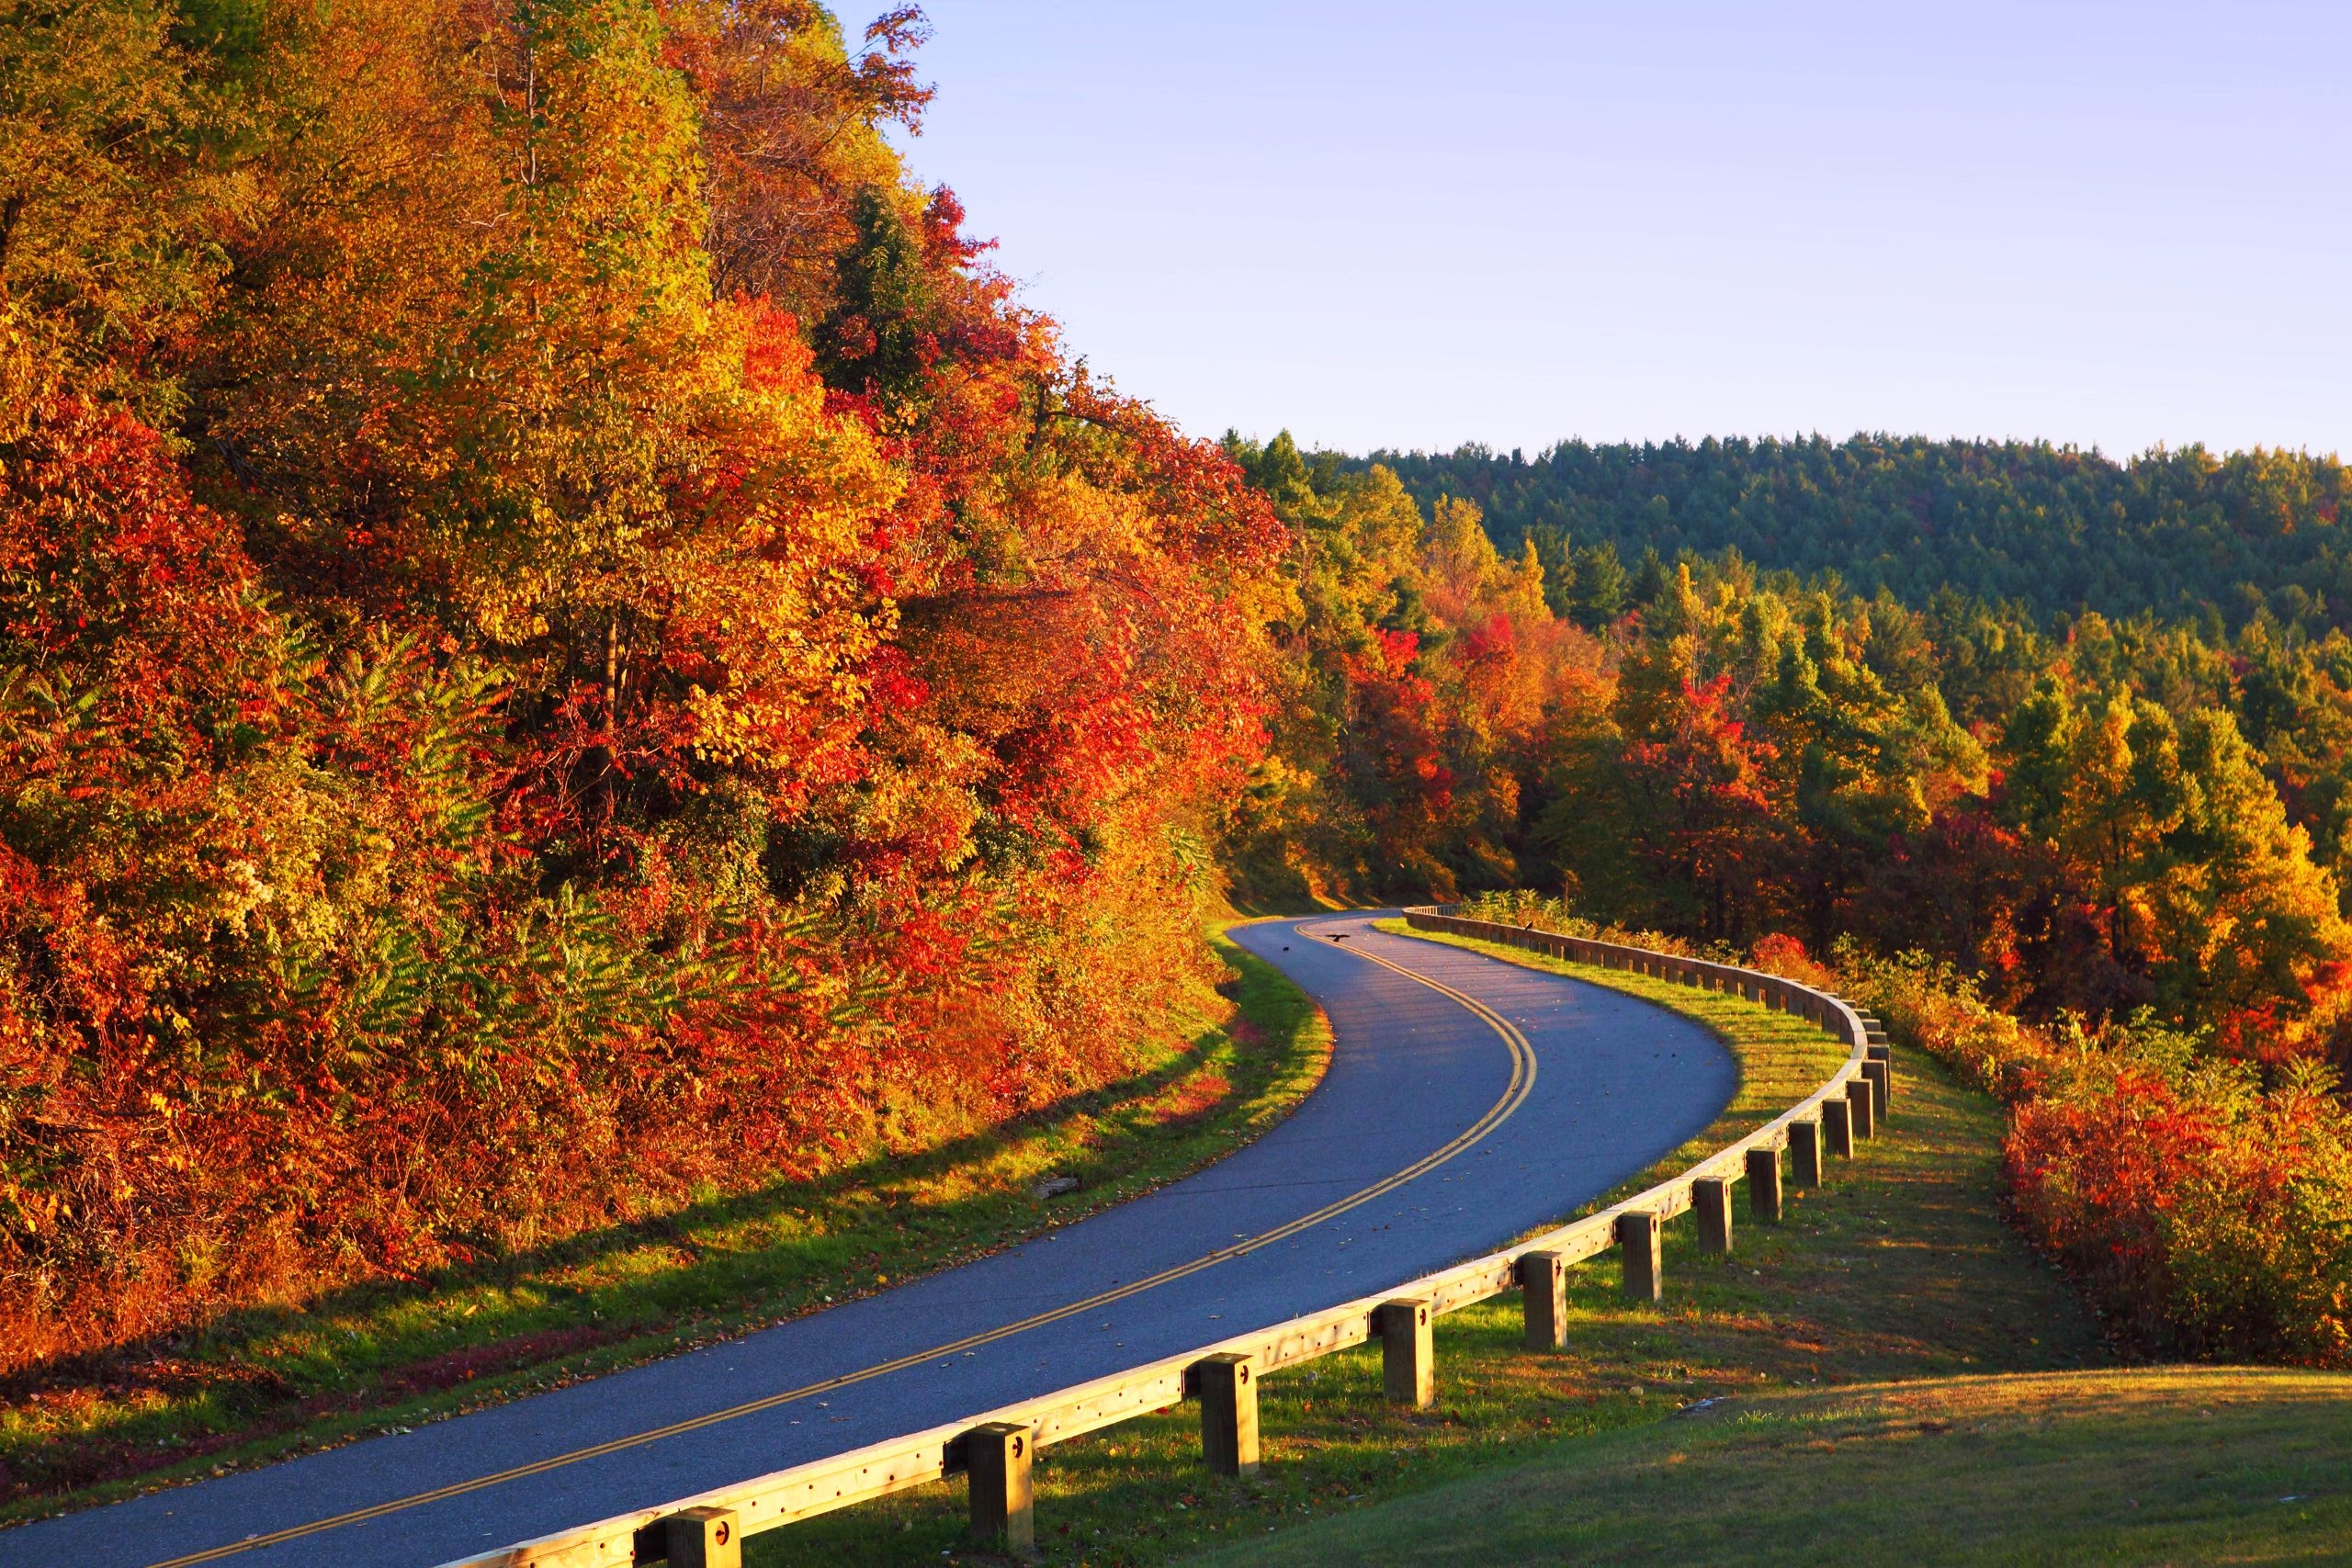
2204 1208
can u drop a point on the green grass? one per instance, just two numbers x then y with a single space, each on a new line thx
1899 1270
262 1385
2177 1465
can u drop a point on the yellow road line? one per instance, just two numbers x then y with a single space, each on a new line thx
1515 1093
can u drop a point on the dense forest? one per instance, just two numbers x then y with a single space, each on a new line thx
566 642
563 640
2105 817
2186 536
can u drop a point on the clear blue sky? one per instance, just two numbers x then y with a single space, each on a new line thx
1419 225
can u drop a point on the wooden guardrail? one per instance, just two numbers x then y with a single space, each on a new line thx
996 1449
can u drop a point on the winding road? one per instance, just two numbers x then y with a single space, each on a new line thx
1468 1100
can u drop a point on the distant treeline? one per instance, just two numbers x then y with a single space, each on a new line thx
2182 535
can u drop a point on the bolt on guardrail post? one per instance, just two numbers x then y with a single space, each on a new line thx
1764 1185
703 1537
1228 1413
1711 1198
1881 1086
1004 1514
1837 1127
1543 1292
1637 1241
1863 1097
1407 1359
1805 1153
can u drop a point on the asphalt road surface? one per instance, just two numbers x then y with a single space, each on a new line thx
1434 1138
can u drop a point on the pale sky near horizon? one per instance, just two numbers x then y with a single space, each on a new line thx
1413 226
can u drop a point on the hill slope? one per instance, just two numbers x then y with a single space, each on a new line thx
2053 528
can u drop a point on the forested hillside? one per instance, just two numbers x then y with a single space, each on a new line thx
2098 819
563 642
2184 535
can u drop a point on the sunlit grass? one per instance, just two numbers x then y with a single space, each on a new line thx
2157 1466
263 1384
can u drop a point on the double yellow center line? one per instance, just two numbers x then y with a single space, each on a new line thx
1522 1080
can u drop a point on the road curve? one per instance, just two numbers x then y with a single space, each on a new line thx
1434 1137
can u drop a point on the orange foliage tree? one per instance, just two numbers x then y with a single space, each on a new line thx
567 598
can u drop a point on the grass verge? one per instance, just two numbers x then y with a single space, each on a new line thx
1899 1270
264 1384
2206 1465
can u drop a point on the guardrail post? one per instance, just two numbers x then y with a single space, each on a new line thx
1407 1357
1863 1097
1228 1413
1804 1153
1543 1292
1710 1196
997 1456
703 1537
1881 1086
1837 1127
1637 1240
1764 1185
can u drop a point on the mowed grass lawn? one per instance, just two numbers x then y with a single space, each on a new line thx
1889 1375
2173 1465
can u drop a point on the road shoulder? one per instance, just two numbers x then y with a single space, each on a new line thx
271 1384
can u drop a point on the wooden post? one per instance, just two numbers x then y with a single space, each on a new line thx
1863 1098
1407 1359
1804 1153
1764 1185
1881 1086
1711 1199
997 1457
1228 1413
1837 1127
703 1537
1543 1294
1637 1240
